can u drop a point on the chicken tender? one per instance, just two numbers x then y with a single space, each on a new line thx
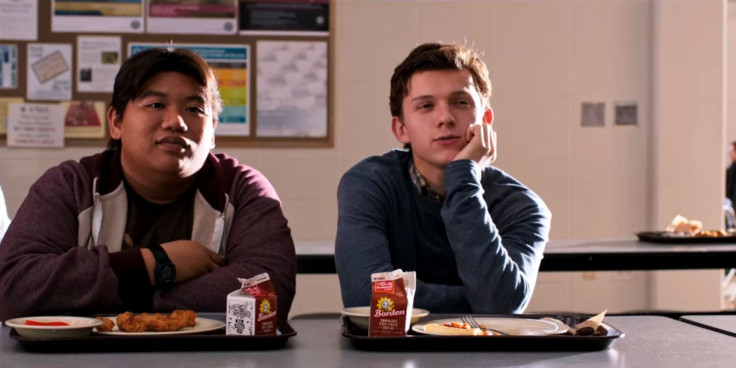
106 326
158 322
186 317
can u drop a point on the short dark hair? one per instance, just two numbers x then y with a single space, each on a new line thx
141 67
437 56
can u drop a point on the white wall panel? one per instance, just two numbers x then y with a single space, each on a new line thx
530 69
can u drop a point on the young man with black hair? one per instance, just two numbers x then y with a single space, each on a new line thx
155 223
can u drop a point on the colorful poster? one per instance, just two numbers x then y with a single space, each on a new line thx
231 66
84 119
19 20
49 75
8 66
35 125
285 17
192 16
291 89
4 103
109 16
98 62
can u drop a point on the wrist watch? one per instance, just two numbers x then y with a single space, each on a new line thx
165 270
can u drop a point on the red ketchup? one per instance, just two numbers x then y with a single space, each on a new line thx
30 322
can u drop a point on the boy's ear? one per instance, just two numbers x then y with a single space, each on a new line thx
488 115
114 122
399 129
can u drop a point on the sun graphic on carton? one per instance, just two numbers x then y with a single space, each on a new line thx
265 307
385 304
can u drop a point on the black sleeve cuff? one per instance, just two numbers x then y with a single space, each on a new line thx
136 292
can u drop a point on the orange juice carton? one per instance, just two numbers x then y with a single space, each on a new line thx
392 299
251 310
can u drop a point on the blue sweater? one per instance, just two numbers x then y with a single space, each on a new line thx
479 251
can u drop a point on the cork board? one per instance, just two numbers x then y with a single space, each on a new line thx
261 49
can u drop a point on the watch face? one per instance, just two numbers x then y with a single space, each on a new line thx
165 274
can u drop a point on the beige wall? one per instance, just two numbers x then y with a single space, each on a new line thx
731 86
545 57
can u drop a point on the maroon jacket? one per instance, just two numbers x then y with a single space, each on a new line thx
62 252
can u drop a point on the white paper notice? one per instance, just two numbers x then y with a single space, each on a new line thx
292 89
98 61
49 73
19 20
35 125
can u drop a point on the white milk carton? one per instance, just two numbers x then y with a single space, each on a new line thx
251 310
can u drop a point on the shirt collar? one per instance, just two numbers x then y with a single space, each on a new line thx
421 183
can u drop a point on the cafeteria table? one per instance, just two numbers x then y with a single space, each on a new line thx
622 254
723 323
649 341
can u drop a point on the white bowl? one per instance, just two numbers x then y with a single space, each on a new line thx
360 315
78 326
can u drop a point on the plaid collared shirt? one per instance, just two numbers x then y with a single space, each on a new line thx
421 183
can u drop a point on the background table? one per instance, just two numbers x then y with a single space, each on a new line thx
720 323
650 341
627 254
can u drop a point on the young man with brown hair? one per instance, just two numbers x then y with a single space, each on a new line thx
474 235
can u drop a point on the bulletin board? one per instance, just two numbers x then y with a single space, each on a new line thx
273 60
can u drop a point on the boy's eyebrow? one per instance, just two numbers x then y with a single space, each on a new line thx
423 97
454 93
460 92
151 92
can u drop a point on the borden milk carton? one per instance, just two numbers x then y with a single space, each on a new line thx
392 299
251 310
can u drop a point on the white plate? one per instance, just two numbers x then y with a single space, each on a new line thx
78 326
200 325
511 326
359 315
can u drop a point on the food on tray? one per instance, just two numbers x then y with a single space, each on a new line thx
711 233
30 322
158 322
590 326
106 326
456 328
681 226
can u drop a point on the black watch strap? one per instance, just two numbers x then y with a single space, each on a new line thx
165 270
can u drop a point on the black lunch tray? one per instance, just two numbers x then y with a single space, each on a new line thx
419 342
660 237
212 340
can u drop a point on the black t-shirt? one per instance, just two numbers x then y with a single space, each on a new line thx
150 223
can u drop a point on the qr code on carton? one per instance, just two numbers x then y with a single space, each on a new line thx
239 319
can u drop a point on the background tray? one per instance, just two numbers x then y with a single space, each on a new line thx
214 340
660 237
418 342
